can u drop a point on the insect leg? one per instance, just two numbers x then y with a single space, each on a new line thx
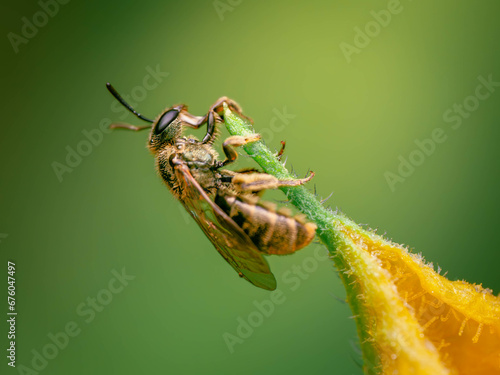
218 106
282 149
232 142
211 117
253 182
128 126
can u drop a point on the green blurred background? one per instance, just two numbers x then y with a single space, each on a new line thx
352 122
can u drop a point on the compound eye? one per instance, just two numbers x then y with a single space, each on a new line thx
165 120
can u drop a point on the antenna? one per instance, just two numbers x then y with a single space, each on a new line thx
113 92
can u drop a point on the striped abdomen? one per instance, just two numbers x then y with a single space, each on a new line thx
273 232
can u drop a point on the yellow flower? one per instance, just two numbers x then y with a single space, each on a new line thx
410 319
418 321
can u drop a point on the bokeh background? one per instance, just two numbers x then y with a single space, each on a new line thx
351 122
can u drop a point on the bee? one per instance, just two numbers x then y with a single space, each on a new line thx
224 203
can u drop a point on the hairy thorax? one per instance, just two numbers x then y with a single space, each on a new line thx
201 159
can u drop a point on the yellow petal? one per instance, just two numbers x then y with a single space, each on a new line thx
419 321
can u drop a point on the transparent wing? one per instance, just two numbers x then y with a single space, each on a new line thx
227 237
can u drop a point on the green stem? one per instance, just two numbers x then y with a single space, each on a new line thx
326 220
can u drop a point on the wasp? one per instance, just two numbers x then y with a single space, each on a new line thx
226 204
